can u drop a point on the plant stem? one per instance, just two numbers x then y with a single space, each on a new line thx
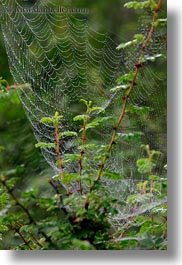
33 237
138 65
57 192
17 230
58 153
82 151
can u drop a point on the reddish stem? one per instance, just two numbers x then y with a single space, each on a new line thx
58 152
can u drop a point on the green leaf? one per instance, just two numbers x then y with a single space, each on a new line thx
69 177
138 38
126 44
154 177
54 120
47 120
119 88
137 5
4 200
45 145
87 103
3 82
112 175
57 116
146 147
124 79
154 152
153 5
87 146
11 182
130 136
151 58
10 96
67 158
31 193
81 117
96 109
25 228
3 228
82 245
162 22
161 209
68 134
144 165
142 185
134 109
96 122
46 203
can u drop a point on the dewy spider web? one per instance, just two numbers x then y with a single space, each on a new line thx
64 60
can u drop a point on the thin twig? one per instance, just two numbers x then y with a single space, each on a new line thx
59 157
18 202
57 192
82 151
17 230
33 237
58 152
31 219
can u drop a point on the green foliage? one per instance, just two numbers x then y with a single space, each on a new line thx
71 177
119 88
144 165
129 136
80 221
141 4
11 93
80 213
138 39
134 109
70 157
162 22
81 117
45 145
4 198
3 228
151 58
89 106
67 134
55 120
3 84
112 175
97 122
11 96
89 110
87 226
125 79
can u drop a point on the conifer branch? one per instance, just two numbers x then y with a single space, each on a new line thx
138 66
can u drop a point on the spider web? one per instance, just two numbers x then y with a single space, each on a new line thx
64 60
